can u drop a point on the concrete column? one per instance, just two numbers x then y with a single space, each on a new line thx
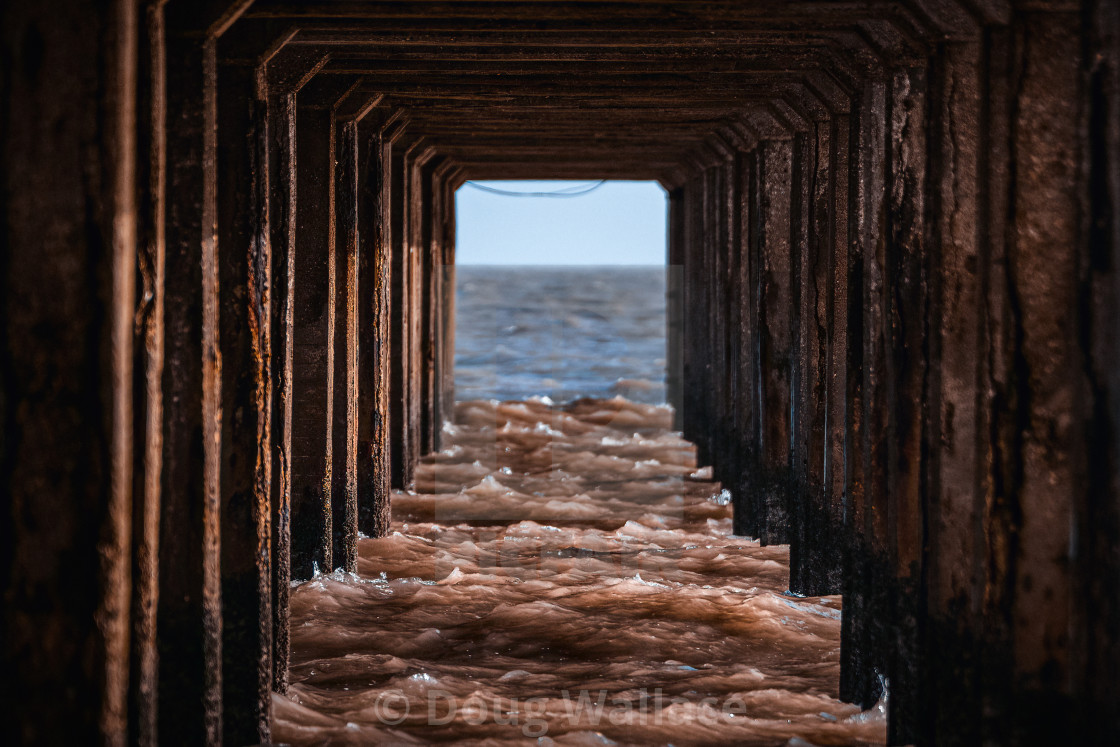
353 449
344 411
674 306
1097 651
67 309
1044 466
282 224
733 438
244 284
450 185
147 496
702 337
691 362
958 488
864 588
426 216
313 349
373 333
815 549
401 390
744 320
285 74
443 304
189 619
836 371
803 478
905 300
722 424
775 312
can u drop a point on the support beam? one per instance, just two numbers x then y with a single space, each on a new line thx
906 302
313 349
401 396
1096 654
862 655
344 415
190 617
282 225
775 345
245 322
373 333
147 495
68 256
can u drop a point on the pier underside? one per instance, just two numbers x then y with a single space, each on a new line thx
226 323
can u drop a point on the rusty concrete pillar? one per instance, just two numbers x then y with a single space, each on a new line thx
451 179
744 318
804 476
674 305
836 371
775 168
286 74
815 547
344 413
734 434
373 332
282 224
1039 454
702 258
1097 610
403 427
352 450
244 283
958 488
817 535
1011 399
426 216
189 619
372 329
417 218
715 241
719 228
692 330
862 655
148 383
698 366
905 301
69 254
443 301
722 425
312 344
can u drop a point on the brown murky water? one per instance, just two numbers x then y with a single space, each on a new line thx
565 576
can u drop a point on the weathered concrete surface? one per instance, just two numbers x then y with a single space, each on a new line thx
189 619
245 323
313 345
892 322
68 213
344 426
373 332
1096 658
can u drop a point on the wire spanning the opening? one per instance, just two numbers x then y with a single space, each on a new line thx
565 192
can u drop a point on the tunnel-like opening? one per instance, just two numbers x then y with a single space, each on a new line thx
893 331
560 290
560 566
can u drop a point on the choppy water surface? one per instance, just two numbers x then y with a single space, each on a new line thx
560 332
565 575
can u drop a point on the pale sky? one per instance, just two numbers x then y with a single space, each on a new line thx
620 223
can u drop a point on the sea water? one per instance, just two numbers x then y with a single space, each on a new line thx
560 332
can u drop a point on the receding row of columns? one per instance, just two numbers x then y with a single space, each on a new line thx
895 353
287 257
